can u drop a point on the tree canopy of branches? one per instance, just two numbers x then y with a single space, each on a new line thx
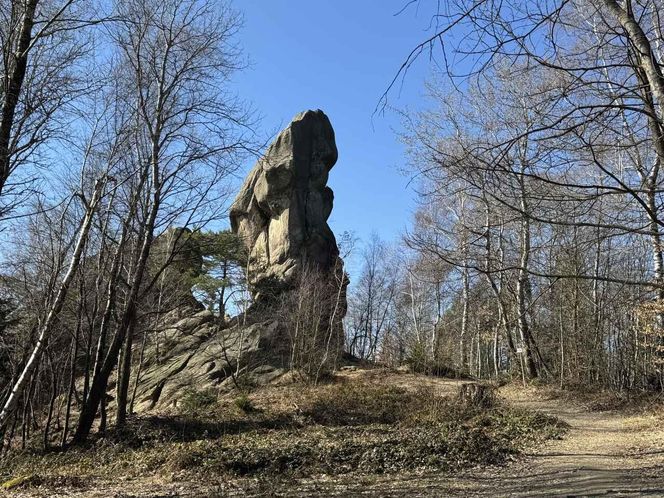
538 167
146 164
223 270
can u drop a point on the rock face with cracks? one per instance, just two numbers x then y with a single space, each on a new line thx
194 354
282 208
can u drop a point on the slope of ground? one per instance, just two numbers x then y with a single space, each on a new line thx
603 453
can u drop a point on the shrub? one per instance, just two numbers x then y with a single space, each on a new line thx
193 402
312 315
244 403
419 362
359 404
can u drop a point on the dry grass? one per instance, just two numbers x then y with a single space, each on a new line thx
364 423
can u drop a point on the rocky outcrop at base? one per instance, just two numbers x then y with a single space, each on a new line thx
195 354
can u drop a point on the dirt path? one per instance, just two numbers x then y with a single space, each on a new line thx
603 454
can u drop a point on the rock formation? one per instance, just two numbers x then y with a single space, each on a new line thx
281 216
195 355
282 209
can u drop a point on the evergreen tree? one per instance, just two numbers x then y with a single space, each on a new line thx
224 258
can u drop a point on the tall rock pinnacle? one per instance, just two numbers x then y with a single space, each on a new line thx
282 208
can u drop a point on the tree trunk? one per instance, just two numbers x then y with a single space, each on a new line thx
464 319
12 93
137 377
124 372
523 289
100 381
56 307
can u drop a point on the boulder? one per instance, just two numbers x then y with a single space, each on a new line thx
194 353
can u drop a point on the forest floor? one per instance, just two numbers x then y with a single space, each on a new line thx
614 453
604 453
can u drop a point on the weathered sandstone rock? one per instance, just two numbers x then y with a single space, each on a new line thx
282 209
281 216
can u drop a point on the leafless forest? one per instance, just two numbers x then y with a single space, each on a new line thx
537 248
535 255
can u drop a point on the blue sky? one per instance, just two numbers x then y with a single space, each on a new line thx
339 56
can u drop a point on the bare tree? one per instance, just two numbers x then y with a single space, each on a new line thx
567 152
45 329
372 300
179 55
43 44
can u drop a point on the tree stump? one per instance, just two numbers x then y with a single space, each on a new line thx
477 395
